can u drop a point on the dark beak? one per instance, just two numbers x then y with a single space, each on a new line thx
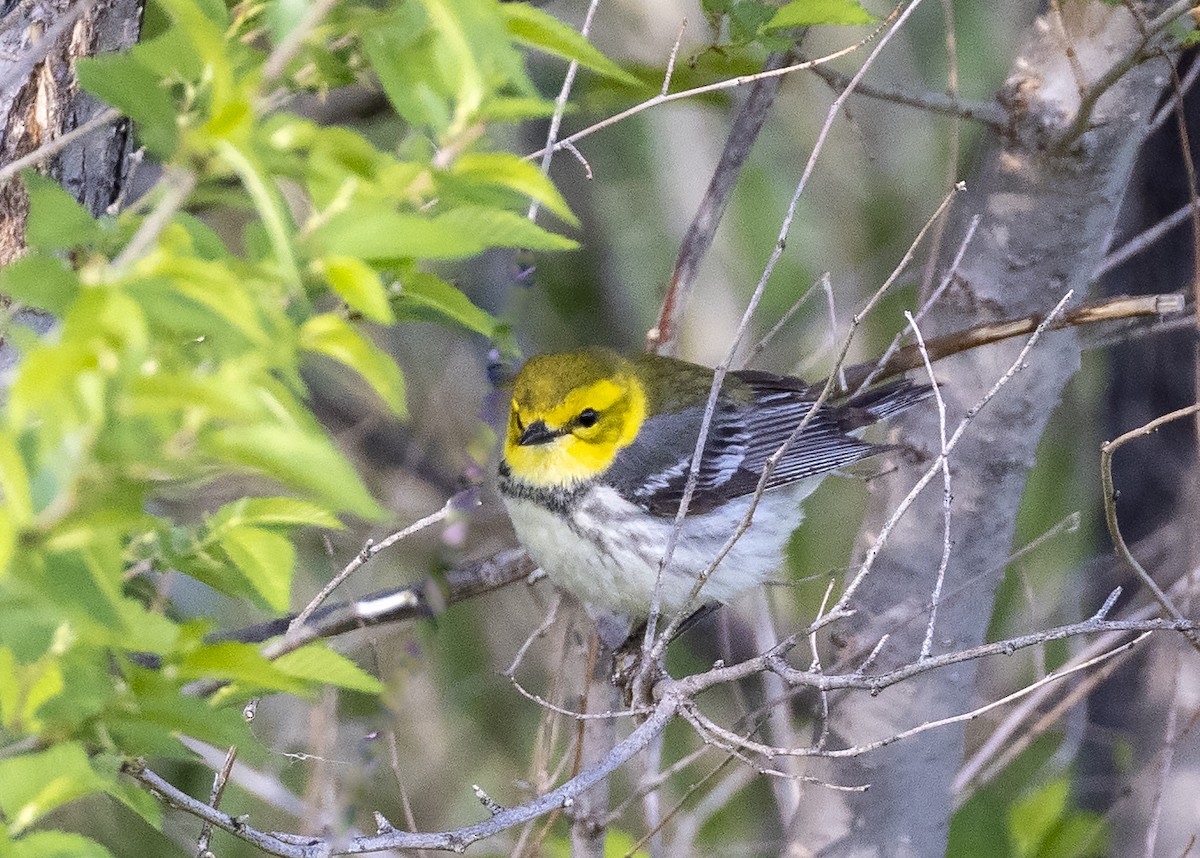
537 433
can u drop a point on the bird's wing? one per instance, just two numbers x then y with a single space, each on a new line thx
744 433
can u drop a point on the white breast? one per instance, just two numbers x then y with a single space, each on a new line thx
608 552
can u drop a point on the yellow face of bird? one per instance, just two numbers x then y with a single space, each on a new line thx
571 413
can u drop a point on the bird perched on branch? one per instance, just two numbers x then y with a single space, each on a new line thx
597 455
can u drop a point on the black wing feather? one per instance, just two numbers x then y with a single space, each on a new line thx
744 433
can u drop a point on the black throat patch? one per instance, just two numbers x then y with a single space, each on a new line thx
558 500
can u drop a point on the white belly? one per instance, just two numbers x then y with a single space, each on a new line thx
608 554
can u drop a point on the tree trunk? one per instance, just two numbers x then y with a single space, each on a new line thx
1047 213
40 101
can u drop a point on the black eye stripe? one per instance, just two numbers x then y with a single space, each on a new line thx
588 417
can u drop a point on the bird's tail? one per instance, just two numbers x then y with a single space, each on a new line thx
882 402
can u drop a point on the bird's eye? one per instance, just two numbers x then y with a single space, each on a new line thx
588 417
520 422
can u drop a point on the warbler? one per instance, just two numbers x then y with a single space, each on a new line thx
596 459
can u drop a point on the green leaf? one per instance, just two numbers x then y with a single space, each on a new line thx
215 569
14 481
25 687
215 11
205 25
204 239
424 296
333 337
211 284
78 585
283 16
509 171
32 785
1080 835
1044 824
28 624
229 395
318 663
56 220
807 13
403 52
747 19
87 687
273 214
170 55
305 461
123 82
10 689
8 539
139 800
16 501
379 233
441 62
268 512
56 844
266 558
537 29
499 228
503 109
159 714
40 280
238 662
145 630
1033 818
358 285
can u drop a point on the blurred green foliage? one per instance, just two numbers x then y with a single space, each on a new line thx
178 361
185 358
1027 813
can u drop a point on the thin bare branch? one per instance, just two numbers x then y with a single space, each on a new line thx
293 846
287 49
698 239
885 531
53 147
220 779
368 551
674 698
953 144
666 84
926 306
935 599
719 86
1117 309
1167 110
1144 239
1167 758
1107 449
823 283
536 634
859 750
560 108
987 113
823 397
1137 54
464 582
1068 48
178 184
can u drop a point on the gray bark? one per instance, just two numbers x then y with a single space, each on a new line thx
1047 215
40 101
